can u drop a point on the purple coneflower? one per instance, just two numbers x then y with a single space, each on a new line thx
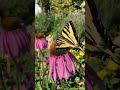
40 42
14 42
61 63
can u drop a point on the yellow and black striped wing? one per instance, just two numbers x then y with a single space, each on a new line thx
68 38
98 43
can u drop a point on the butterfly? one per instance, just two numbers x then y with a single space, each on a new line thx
98 42
68 38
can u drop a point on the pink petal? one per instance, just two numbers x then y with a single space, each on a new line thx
66 73
12 44
36 43
71 56
22 41
60 67
51 62
6 46
25 37
51 66
1 42
54 72
69 64
41 43
38 46
16 35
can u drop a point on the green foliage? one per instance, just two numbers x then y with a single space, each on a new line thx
15 8
53 24
44 23
111 79
61 6
22 9
14 74
109 12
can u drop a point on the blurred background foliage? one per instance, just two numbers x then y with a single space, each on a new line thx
108 70
109 14
13 70
19 8
56 13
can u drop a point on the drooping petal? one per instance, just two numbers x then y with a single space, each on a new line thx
24 46
17 36
1 42
71 56
66 73
35 43
15 42
52 60
54 69
44 43
38 44
25 38
6 46
51 65
69 62
41 43
12 44
60 67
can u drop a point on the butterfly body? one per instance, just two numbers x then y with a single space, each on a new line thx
56 52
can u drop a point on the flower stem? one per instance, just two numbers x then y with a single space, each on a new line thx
2 80
17 75
62 85
18 81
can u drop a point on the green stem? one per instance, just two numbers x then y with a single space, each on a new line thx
2 81
1 78
62 85
17 74
18 81
41 54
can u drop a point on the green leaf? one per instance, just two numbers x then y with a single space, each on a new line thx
114 80
46 82
73 89
38 86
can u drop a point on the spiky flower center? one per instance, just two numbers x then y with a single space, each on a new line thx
39 35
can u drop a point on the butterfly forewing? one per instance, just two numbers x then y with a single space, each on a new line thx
68 37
